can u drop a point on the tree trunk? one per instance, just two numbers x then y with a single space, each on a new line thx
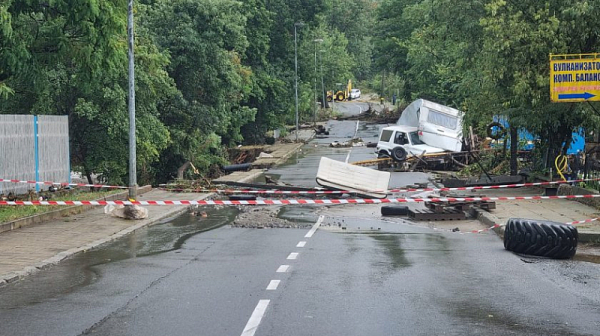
514 146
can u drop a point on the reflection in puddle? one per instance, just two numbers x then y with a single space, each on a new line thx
295 213
393 249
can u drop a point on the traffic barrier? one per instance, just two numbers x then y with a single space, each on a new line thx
64 184
302 201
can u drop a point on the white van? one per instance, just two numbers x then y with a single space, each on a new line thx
402 136
438 125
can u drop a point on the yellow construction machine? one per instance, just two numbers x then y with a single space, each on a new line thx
341 94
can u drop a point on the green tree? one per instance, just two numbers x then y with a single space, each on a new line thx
73 62
206 42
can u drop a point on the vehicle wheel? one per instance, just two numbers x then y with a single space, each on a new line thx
242 197
394 210
399 154
340 97
541 238
499 133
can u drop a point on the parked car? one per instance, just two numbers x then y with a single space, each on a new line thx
354 93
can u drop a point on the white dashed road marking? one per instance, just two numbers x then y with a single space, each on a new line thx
255 318
261 307
315 227
273 284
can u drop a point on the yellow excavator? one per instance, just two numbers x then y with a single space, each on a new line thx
341 94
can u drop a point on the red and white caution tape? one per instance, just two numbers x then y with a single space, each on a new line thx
517 185
297 192
495 226
582 221
301 201
64 184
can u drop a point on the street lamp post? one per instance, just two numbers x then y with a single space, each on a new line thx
296 25
131 107
322 82
315 82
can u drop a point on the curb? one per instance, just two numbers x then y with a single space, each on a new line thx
488 220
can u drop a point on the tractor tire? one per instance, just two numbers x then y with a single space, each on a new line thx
242 198
399 154
541 238
391 210
340 97
497 135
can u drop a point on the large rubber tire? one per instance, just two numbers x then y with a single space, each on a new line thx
340 97
541 238
391 210
399 154
498 134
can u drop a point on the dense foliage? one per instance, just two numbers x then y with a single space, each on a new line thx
491 58
216 73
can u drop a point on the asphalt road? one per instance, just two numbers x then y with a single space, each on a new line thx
353 273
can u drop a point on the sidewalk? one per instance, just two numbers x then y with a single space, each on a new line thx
557 210
29 249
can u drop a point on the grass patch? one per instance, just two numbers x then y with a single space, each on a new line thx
12 212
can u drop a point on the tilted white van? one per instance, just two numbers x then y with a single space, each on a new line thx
423 127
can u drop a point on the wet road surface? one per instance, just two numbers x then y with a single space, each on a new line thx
347 279
354 274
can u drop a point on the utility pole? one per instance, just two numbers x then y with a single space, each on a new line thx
322 82
131 106
315 82
296 25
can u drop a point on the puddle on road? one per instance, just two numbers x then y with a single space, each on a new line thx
79 271
392 245
303 214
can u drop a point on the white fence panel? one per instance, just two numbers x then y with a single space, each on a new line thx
18 151
53 146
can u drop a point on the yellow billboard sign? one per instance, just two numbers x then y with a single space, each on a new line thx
574 78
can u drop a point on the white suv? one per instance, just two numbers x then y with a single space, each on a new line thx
402 136
354 93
